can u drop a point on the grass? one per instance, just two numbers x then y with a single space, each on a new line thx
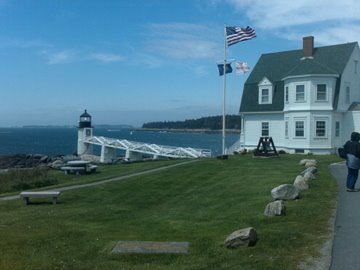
200 203
23 179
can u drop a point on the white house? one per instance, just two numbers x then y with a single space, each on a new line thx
307 100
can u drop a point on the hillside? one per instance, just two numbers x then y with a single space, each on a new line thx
209 123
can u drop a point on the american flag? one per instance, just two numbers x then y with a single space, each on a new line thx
235 34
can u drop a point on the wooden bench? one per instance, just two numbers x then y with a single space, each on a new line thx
26 195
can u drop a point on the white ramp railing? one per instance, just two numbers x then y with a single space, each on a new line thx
150 149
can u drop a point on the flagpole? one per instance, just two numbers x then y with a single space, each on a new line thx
224 94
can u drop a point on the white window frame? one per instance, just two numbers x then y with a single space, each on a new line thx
296 127
265 98
325 93
356 66
286 129
287 94
320 131
337 129
347 94
265 128
297 93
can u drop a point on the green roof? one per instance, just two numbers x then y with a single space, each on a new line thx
329 60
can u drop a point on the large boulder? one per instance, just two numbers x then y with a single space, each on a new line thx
276 208
309 176
312 170
304 161
243 237
310 164
285 192
301 183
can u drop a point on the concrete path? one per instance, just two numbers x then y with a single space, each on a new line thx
346 242
14 197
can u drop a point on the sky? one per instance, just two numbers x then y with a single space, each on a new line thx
138 61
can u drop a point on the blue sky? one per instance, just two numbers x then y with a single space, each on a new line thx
130 62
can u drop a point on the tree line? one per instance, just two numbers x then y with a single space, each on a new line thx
209 122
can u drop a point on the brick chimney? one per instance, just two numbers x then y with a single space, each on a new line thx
308 46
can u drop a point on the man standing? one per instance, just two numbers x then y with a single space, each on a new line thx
352 149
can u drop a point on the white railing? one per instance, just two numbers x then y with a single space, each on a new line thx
150 149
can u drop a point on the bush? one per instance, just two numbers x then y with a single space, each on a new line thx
22 179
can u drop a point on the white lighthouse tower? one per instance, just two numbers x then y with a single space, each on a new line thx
84 130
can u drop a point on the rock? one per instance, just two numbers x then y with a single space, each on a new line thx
313 170
309 176
242 237
57 164
276 208
304 161
91 158
310 164
70 158
285 192
301 183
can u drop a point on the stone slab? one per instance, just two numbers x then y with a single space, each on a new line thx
150 247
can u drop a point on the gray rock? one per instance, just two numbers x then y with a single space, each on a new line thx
242 237
304 161
57 164
310 164
91 158
309 176
301 183
276 208
285 192
313 170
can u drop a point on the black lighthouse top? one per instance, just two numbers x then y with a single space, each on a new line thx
85 120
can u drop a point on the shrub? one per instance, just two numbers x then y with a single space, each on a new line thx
22 179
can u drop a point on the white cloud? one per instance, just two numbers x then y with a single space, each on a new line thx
59 57
107 57
330 21
182 41
22 44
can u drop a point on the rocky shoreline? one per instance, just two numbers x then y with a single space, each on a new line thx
23 161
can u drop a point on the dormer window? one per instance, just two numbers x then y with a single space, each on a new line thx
265 91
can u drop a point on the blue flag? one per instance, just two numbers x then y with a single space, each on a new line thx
228 69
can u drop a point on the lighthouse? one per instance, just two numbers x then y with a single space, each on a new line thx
85 130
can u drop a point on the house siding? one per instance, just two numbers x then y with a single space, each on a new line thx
252 125
337 67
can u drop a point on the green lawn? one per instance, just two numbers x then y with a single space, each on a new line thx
200 203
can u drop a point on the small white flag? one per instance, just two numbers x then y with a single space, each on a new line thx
242 67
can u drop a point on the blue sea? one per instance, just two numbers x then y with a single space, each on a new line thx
63 141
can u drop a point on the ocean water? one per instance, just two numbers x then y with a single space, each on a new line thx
63 141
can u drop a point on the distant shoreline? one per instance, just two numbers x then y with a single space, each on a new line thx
188 130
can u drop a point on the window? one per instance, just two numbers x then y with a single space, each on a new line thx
300 93
320 130
265 96
286 94
299 129
356 66
347 95
286 129
265 91
337 129
321 92
265 129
